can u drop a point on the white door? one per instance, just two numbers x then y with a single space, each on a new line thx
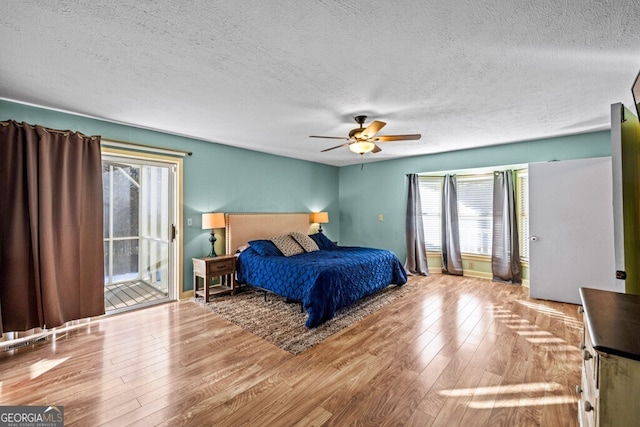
571 228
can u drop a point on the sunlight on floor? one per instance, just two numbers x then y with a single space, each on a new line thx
532 332
44 366
570 321
513 395
548 340
503 389
525 394
527 401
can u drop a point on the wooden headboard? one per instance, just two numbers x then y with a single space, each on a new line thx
244 227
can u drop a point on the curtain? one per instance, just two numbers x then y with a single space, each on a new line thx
51 253
505 256
416 263
451 255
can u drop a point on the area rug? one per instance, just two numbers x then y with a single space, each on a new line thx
283 324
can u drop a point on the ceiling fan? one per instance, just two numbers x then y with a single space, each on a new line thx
362 140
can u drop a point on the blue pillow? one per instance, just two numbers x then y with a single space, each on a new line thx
322 241
265 248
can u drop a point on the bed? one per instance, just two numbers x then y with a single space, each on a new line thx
323 280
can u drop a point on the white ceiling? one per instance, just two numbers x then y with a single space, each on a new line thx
264 75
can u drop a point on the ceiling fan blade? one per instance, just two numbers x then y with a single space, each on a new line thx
387 138
372 129
329 137
333 148
376 149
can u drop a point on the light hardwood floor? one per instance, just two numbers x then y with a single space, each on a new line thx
458 351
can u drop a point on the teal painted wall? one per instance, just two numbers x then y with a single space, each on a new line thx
216 177
228 179
380 188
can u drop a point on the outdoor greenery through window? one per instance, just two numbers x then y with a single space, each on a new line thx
475 212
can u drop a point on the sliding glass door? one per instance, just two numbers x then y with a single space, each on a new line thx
139 232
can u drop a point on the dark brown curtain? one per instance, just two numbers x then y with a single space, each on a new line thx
51 254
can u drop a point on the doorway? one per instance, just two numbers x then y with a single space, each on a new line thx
139 213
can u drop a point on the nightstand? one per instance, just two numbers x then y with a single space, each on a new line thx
206 268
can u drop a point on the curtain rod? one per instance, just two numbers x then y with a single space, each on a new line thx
143 147
110 142
475 171
61 132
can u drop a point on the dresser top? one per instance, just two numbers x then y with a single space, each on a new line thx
613 320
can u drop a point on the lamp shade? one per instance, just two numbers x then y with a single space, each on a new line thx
320 217
212 220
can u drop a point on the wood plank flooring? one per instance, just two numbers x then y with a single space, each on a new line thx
457 352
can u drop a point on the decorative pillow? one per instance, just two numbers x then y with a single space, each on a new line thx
305 241
265 248
322 241
287 245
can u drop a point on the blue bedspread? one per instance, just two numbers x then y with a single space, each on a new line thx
325 280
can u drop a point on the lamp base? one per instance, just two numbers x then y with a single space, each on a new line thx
212 239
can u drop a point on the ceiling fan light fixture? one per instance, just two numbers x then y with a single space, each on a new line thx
363 140
362 147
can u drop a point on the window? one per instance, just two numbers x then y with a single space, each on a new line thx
431 198
475 213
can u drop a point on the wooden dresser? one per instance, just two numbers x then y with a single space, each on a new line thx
610 389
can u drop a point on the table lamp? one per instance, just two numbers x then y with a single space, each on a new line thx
212 220
320 218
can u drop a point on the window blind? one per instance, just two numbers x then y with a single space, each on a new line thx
475 213
431 198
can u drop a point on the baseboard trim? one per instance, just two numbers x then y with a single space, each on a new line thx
478 274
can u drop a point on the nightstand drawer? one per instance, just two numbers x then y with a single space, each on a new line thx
220 267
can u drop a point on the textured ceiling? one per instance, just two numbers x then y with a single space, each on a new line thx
266 75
